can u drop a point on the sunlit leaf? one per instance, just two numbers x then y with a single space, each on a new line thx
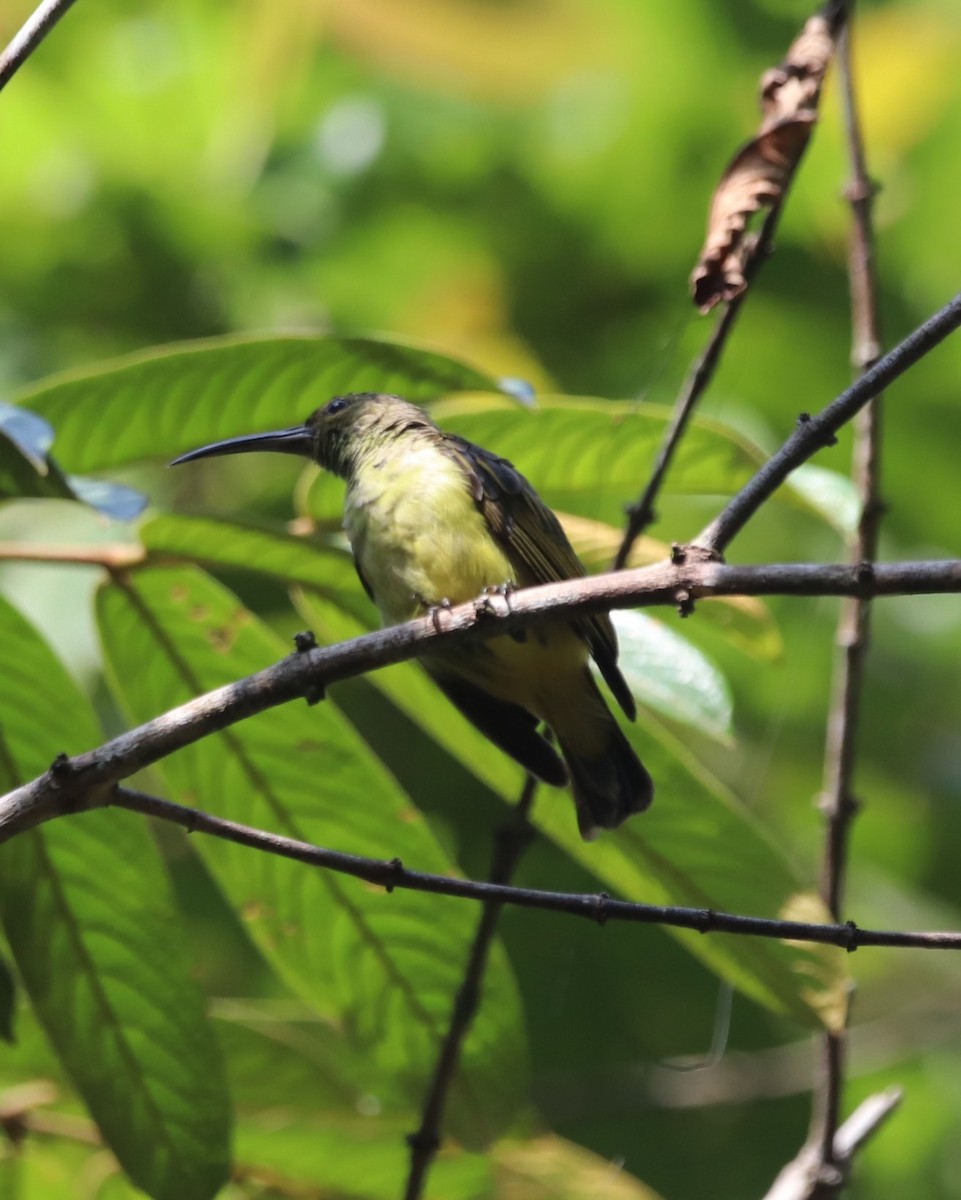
590 457
162 402
88 915
830 493
384 967
665 672
552 1168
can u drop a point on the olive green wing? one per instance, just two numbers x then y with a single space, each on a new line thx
536 545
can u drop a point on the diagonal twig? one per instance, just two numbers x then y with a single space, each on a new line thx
73 784
597 907
814 433
29 37
806 1177
510 842
790 91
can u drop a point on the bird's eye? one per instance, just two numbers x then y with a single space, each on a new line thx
337 405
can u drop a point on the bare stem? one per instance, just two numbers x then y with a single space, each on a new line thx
29 37
838 801
85 780
597 907
814 433
642 513
509 845
113 556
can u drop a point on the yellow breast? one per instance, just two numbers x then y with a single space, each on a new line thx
417 534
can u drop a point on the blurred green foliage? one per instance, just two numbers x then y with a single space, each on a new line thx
521 184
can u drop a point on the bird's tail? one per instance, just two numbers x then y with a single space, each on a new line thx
609 781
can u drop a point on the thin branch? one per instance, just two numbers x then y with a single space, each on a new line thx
838 802
510 843
755 250
73 784
114 556
854 627
597 907
642 513
32 33
814 433
807 1178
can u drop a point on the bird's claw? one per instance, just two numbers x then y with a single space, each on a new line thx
434 612
484 605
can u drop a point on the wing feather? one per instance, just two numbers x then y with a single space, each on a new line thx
536 545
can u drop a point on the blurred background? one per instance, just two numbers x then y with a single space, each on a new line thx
525 183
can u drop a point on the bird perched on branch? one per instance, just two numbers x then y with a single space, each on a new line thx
434 520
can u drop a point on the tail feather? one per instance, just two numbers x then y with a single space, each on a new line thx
609 781
608 787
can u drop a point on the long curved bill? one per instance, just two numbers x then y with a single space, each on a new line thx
283 441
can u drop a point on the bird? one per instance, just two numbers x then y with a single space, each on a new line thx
434 520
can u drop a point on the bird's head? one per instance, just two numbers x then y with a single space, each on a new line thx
334 435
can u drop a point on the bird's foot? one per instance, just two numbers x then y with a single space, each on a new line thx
485 606
434 612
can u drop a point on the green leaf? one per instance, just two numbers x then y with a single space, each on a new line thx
552 1168
280 1053
349 1157
589 456
28 472
8 1001
173 398
666 673
697 846
384 967
829 493
88 915
325 568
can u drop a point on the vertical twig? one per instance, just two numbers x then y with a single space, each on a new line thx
759 177
853 635
509 844
642 513
32 33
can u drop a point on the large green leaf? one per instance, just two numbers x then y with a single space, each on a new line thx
170 399
666 673
88 915
343 1139
384 967
591 457
697 846
324 567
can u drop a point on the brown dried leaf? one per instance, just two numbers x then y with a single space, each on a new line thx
759 174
